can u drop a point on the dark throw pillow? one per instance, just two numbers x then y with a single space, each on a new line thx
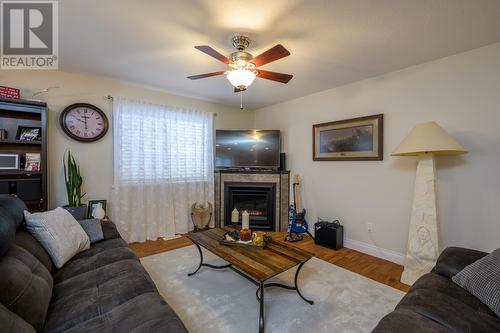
482 279
93 228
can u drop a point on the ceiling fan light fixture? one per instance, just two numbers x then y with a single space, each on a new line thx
241 65
241 77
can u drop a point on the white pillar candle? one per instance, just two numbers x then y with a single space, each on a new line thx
235 216
245 220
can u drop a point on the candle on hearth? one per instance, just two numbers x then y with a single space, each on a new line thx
245 220
235 216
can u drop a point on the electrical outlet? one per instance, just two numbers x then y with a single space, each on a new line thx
369 227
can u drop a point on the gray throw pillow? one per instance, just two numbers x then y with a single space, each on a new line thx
93 228
482 279
59 233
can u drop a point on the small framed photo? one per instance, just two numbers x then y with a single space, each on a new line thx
29 133
357 139
93 205
32 162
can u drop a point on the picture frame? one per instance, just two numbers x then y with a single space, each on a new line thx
27 133
32 162
92 206
355 139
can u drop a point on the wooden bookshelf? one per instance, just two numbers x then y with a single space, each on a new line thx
31 186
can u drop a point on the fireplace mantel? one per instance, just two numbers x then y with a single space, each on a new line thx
281 179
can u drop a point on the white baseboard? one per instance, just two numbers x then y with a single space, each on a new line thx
375 251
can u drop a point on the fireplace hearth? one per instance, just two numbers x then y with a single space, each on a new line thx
258 199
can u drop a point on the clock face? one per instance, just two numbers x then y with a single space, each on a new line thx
84 122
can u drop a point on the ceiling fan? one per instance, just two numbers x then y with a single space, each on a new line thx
242 67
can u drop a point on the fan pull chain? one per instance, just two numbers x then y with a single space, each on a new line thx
241 100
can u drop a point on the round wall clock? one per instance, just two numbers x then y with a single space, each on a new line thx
84 122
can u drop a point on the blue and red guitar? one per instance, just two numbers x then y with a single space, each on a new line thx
297 224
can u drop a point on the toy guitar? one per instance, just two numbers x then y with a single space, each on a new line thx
297 224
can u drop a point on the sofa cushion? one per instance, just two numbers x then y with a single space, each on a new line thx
145 313
7 231
26 286
408 321
10 220
12 323
14 207
444 287
109 230
453 259
482 279
59 233
438 299
99 255
95 295
25 240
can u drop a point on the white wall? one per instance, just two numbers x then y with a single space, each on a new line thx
96 158
461 93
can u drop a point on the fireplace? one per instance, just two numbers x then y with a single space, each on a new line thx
263 192
258 199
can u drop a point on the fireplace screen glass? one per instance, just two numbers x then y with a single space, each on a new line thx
257 200
255 204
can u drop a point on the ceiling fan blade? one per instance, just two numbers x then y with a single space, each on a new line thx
202 76
274 53
211 52
237 90
279 77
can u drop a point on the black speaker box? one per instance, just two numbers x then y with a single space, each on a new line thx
282 162
329 234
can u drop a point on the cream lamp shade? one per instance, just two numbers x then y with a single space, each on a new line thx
426 138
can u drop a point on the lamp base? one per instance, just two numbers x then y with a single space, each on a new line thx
423 247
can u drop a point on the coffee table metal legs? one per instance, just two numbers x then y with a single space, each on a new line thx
207 265
259 293
261 301
295 287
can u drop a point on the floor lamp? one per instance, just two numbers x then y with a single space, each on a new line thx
425 141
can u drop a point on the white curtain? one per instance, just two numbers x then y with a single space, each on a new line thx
163 163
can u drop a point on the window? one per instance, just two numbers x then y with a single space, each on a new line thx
157 144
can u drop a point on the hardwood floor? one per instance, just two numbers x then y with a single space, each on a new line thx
377 269
148 248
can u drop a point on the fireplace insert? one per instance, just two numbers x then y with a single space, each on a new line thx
258 199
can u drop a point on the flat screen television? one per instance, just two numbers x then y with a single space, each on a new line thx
247 149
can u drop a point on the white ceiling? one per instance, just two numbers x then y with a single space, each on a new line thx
332 43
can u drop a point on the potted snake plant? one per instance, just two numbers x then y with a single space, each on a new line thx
74 181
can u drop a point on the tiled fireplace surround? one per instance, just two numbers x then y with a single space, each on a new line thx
281 179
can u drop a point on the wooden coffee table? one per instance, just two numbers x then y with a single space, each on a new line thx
256 265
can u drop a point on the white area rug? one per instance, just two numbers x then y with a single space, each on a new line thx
223 301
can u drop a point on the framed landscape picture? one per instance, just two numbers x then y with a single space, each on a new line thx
357 139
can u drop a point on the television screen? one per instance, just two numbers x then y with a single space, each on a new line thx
247 149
